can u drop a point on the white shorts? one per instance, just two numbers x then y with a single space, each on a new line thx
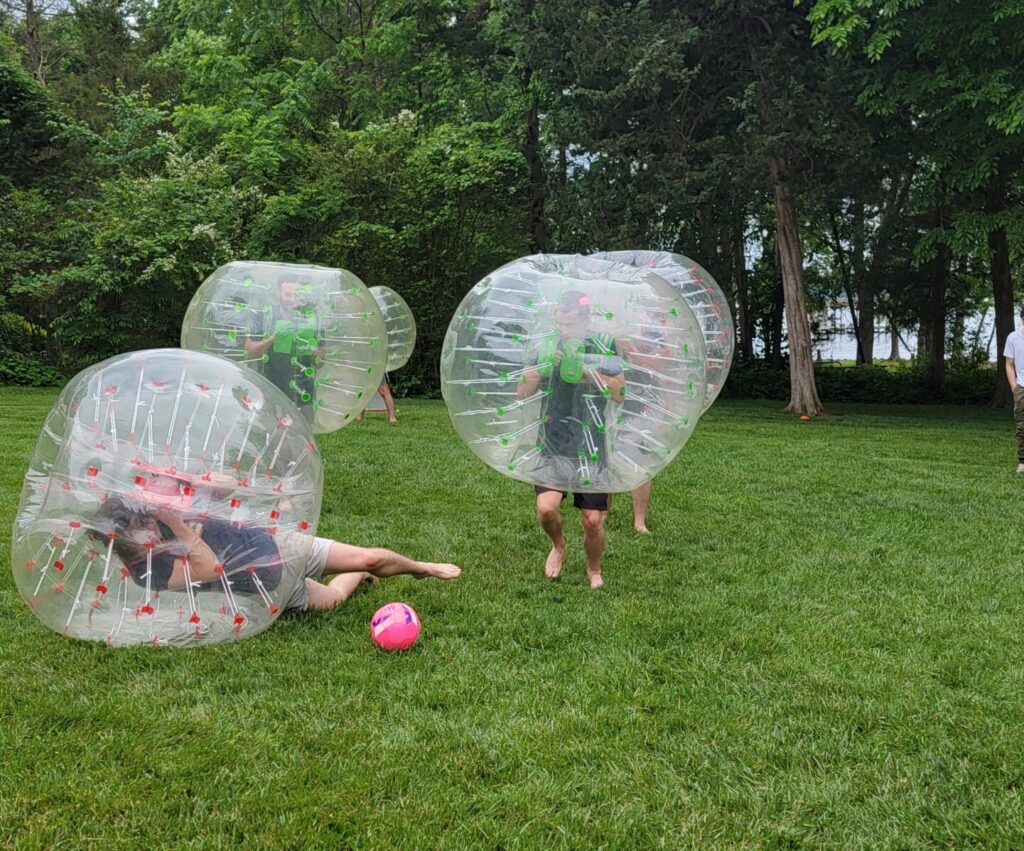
313 553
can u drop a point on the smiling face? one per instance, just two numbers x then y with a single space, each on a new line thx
288 291
572 323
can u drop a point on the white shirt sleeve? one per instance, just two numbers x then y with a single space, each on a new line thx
1008 347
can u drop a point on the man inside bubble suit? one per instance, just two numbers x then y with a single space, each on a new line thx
165 546
287 335
572 422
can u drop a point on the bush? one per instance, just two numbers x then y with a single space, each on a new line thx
898 385
27 371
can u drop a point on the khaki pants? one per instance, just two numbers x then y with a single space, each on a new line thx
1018 421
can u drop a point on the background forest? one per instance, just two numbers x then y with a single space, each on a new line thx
866 154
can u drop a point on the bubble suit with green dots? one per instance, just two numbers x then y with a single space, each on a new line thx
706 300
315 332
172 498
399 324
574 373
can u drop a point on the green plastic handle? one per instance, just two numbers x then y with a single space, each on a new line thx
284 336
305 341
546 355
571 371
304 394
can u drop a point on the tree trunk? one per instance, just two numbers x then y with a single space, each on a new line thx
778 311
1002 282
803 392
847 288
710 243
875 275
34 41
894 345
939 270
538 191
864 285
744 322
957 347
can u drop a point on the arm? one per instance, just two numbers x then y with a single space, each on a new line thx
530 381
610 377
1011 372
528 384
219 484
615 383
202 561
258 348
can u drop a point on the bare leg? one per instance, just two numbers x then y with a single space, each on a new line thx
641 500
593 543
550 518
335 592
389 403
351 566
344 558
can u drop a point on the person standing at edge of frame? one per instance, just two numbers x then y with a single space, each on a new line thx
1014 354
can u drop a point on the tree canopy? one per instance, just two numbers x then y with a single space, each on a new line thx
866 154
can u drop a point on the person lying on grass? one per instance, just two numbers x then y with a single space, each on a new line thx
168 547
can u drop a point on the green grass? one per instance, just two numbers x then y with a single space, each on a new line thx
820 644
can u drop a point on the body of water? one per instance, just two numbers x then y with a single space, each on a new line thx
841 344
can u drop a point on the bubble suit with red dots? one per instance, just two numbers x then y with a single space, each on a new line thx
172 498
704 297
315 332
399 324
574 373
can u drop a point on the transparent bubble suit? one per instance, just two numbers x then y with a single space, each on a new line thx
315 332
399 325
706 300
151 442
574 373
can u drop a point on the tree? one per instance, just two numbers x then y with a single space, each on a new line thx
958 71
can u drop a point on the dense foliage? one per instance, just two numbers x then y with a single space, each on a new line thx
867 154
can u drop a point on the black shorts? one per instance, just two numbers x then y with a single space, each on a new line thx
589 501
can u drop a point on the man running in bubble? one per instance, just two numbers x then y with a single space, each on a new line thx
287 337
569 421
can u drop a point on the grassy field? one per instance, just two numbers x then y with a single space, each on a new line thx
818 645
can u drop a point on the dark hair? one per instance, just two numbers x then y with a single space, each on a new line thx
575 300
1022 311
117 517
287 279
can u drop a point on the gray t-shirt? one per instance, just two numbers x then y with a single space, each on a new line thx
1015 349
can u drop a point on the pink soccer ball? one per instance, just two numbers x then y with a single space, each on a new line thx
395 627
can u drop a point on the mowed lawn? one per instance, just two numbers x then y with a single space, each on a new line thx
819 644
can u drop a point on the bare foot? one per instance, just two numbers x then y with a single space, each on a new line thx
641 528
393 422
437 571
596 580
553 566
